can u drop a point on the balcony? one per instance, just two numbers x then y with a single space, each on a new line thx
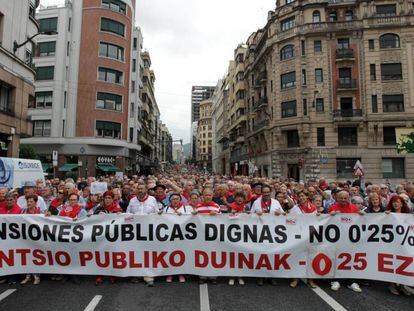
346 84
262 103
260 125
347 113
345 54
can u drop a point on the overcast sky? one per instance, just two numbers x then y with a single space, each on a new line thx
191 43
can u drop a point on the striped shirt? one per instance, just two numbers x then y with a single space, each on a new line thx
207 208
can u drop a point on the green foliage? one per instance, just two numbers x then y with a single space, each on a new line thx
406 145
28 152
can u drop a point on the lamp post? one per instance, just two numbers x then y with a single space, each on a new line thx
16 45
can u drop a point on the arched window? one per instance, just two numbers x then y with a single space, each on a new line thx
349 15
333 16
389 41
316 17
287 52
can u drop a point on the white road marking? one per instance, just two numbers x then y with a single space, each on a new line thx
94 302
6 294
328 299
204 302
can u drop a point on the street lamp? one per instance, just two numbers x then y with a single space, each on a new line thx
16 46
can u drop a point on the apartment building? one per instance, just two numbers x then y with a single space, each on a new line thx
16 72
205 135
328 82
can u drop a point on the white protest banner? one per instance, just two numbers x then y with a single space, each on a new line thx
98 187
379 247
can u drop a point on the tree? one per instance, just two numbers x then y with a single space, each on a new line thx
27 152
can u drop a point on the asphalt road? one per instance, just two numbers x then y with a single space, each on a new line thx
53 295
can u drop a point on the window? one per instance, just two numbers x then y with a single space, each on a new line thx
111 51
135 43
303 47
305 107
131 134
391 71
349 15
288 80
110 25
319 105
317 46
374 103
372 72
292 138
69 23
347 136
287 23
389 41
45 73
316 17
46 48
393 168
5 98
108 129
318 75
29 58
114 5
371 44
289 109
343 43
386 10
48 24
132 86
320 134
287 52
333 16
389 136
67 48
44 99
109 101
393 103
134 65
303 76
345 167
41 128
110 75
63 128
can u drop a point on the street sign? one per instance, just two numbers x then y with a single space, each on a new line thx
358 164
54 155
358 172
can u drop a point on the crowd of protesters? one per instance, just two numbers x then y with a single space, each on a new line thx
190 192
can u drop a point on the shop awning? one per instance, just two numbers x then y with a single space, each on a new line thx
108 168
68 167
46 166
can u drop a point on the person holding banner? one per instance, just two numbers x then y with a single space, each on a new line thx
109 206
343 205
142 204
397 205
176 207
29 189
304 206
207 207
266 205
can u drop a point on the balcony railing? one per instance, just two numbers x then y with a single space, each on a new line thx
347 113
260 125
346 83
346 53
261 103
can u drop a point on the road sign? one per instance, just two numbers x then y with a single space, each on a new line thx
54 155
358 172
358 164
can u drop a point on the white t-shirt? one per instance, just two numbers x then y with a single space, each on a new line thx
274 206
184 210
296 210
21 201
149 206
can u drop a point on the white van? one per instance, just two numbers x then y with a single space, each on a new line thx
14 173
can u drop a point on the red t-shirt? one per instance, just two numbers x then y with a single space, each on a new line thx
207 208
236 208
348 209
14 210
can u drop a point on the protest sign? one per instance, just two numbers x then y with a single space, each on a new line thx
99 187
